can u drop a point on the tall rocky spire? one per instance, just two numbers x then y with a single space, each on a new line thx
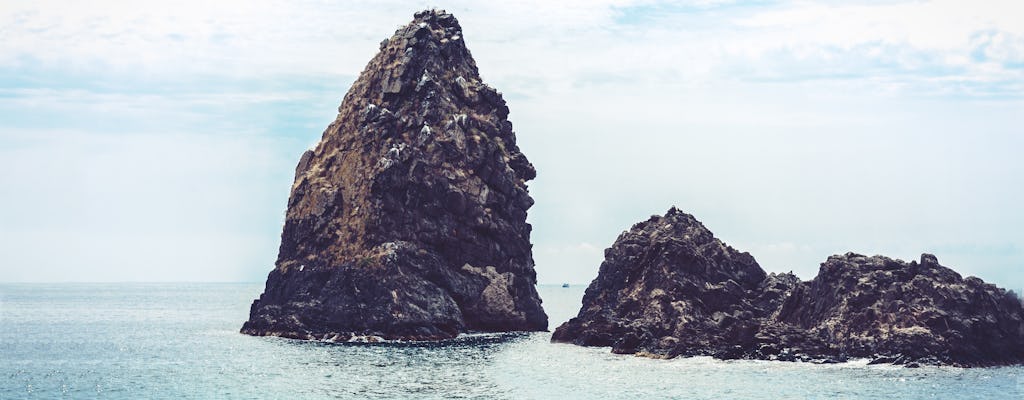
408 219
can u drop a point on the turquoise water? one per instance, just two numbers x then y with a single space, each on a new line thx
130 341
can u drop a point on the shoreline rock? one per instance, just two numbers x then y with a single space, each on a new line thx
407 221
669 288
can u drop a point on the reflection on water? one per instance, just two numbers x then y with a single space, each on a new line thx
181 340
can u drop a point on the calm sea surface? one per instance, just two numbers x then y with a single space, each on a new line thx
134 341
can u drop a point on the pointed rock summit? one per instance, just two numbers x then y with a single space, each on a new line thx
408 219
668 287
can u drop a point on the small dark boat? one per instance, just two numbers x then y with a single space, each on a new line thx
565 285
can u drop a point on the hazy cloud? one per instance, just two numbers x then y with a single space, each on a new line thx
155 141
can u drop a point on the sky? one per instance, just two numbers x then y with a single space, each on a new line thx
156 141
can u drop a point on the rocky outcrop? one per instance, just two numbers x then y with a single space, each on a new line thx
408 219
668 288
919 311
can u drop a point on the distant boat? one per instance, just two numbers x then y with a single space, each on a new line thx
565 285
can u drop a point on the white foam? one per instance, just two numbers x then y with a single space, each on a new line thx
367 339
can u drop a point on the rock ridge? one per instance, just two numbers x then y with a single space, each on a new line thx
669 288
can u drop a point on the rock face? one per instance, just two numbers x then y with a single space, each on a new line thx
918 311
668 288
408 219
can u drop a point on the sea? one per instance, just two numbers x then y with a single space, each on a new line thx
181 341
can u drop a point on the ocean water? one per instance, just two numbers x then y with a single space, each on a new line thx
154 341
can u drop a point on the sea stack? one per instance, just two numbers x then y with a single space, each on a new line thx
408 220
669 288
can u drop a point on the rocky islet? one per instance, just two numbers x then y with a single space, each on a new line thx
408 220
669 288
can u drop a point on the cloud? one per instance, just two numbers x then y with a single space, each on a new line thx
915 41
793 130
555 45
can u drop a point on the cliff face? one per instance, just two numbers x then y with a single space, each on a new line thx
408 219
668 288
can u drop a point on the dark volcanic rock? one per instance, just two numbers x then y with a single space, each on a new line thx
408 219
919 311
668 288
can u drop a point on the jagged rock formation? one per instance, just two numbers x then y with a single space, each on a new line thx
408 219
666 285
894 311
668 288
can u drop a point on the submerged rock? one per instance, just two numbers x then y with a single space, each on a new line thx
408 219
668 288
